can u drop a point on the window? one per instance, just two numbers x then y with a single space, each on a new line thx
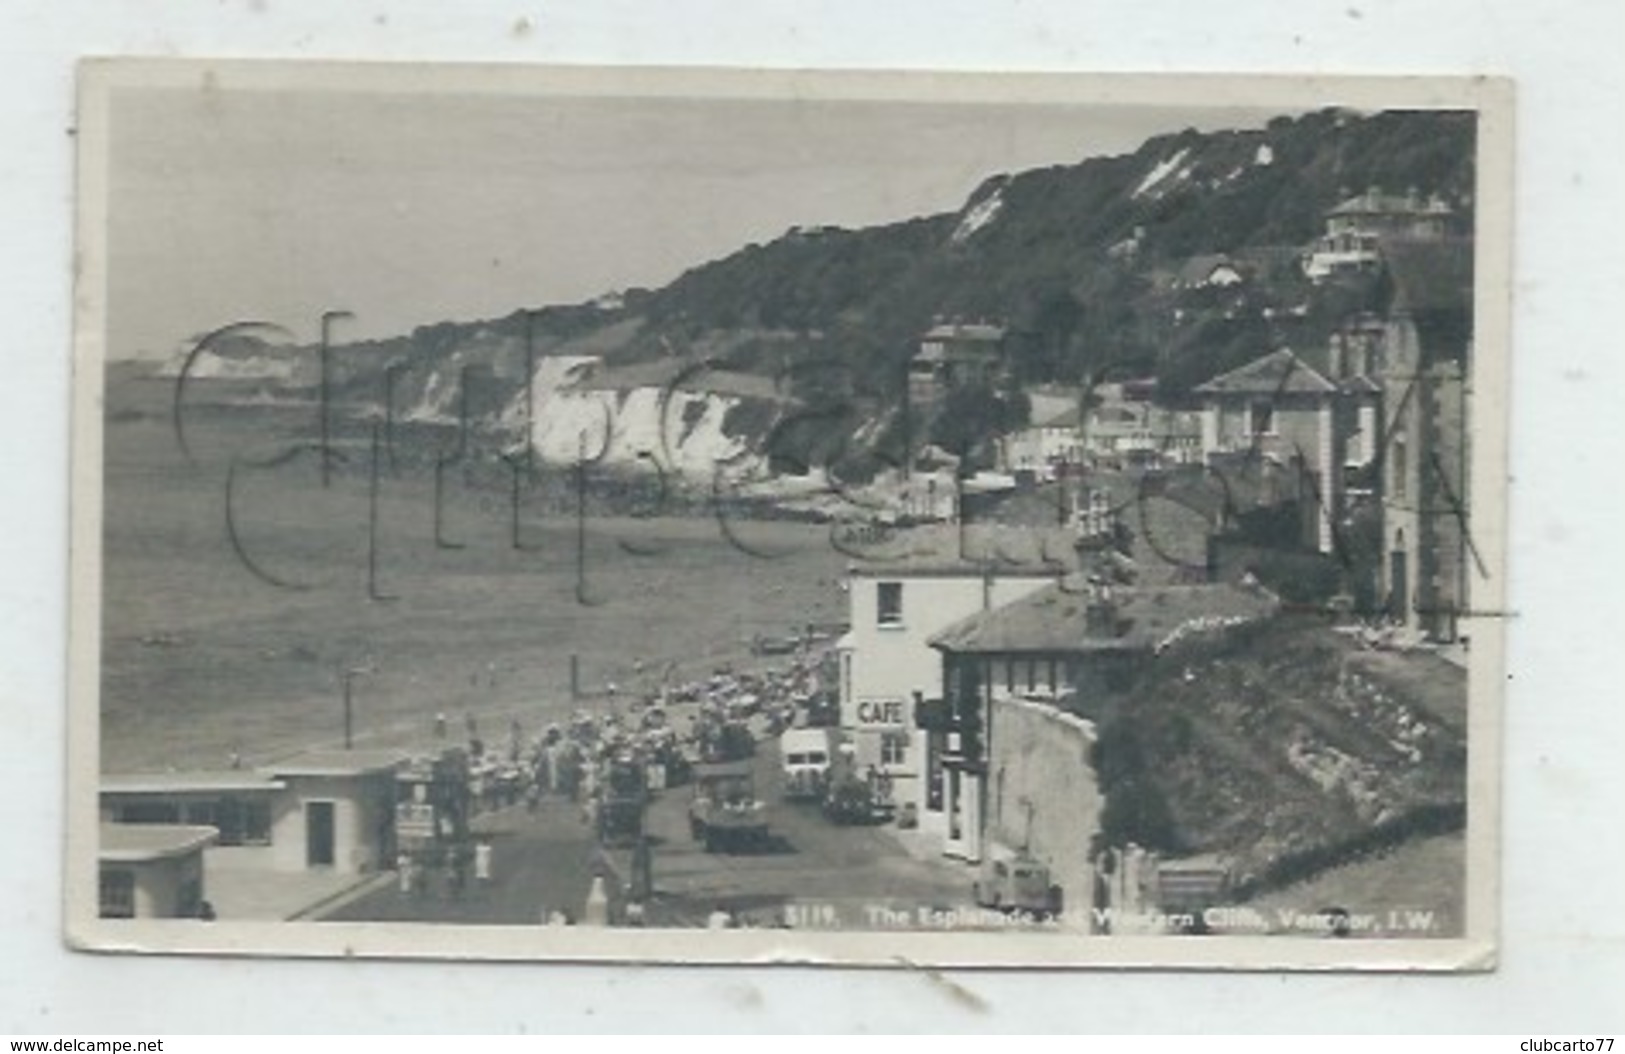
116 891
1263 419
241 820
889 603
257 823
141 811
893 748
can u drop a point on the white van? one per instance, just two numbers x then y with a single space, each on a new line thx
805 754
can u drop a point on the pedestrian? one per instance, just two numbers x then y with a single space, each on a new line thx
482 863
459 871
403 865
440 725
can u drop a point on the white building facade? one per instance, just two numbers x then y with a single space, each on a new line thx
888 666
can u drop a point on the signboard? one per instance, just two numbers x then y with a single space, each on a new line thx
414 820
882 713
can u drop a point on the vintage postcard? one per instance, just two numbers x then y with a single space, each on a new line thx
731 516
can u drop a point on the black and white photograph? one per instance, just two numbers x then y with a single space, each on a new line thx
719 516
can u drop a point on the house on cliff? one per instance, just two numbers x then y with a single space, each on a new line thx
1357 226
955 355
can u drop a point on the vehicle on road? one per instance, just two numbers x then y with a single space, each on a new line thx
851 800
1017 883
623 796
721 739
805 755
725 813
852 797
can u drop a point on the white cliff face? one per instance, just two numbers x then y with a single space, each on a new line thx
978 216
274 366
1161 173
682 430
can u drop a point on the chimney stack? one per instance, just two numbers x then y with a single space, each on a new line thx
1100 615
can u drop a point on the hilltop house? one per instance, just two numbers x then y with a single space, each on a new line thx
954 355
1427 545
1355 228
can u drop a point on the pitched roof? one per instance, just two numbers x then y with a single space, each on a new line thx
1055 619
1278 373
1374 202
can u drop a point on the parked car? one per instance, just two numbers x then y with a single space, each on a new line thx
1017 883
804 755
850 801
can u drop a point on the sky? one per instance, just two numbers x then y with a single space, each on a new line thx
409 208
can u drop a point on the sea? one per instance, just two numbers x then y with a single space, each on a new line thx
241 592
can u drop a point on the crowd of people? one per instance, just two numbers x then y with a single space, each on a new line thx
618 753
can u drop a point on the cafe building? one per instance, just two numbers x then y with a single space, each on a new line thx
904 587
